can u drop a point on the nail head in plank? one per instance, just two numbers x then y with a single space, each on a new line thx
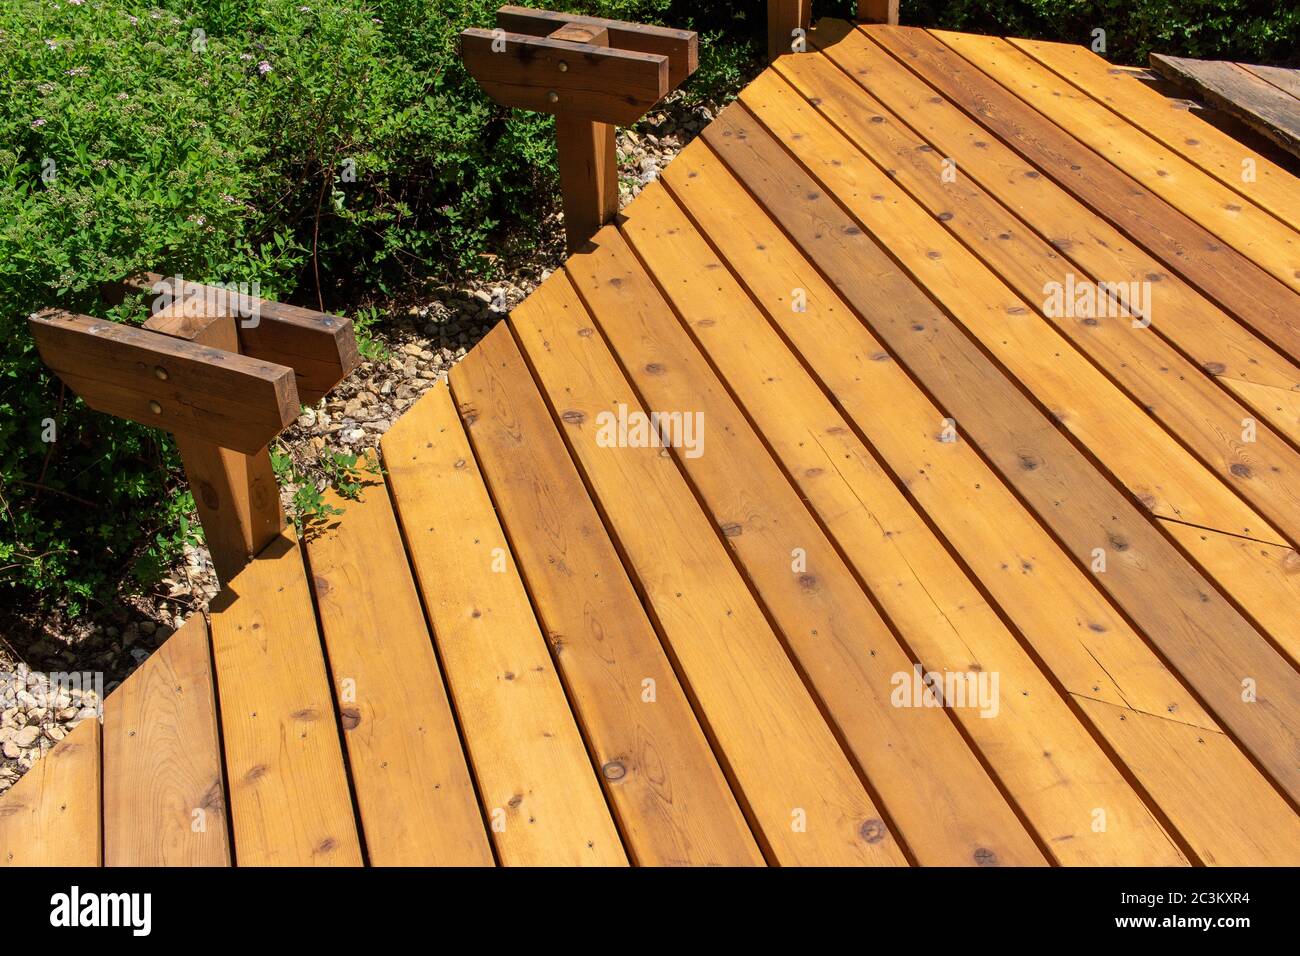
51 817
164 799
289 798
412 783
221 397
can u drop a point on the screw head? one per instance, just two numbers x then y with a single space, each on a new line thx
563 67
160 373
552 97
155 407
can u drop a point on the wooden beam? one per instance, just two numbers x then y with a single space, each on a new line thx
784 17
601 84
587 157
320 348
182 387
681 47
878 11
236 494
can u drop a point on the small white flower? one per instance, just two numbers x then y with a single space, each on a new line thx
264 67
134 21
37 123
245 56
52 44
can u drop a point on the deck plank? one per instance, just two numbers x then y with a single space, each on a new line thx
289 799
952 816
672 800
1264 469
1181 613
1252 295
414 793
535 779
51 817
1178 128
805 801
1241 92
941 616
1145 458
164 796
1256 234
1058 612
1210 338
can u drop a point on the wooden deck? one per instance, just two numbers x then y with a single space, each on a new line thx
543 640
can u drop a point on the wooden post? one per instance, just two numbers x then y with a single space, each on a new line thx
592 74
878 11
588 177
784 17
588 157
235 493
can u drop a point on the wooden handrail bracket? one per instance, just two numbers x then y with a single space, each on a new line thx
224 373
231 400
591 74
319 347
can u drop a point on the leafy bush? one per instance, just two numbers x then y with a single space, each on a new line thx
320 147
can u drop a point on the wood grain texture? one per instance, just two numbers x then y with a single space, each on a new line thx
802 796
164 795
216 396
1252 295
540 795
1151 464
1268 185
1180 612
1268 242
413 786
51 817
597 83
944 620
1199 328
672 801
949 816
289 798
1257 463
1089 649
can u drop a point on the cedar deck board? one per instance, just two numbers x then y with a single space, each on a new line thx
945 484
1262 97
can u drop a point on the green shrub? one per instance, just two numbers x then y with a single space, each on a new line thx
323 148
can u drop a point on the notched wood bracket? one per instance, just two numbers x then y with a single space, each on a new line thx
231 400
591 74
319 347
